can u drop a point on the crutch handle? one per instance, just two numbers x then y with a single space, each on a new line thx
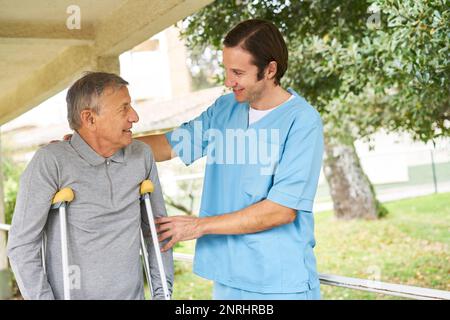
63 195
146 187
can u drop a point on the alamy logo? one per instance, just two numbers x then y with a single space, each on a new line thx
74 19
232 146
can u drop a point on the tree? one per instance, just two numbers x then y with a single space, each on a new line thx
342 55
410 64
204 66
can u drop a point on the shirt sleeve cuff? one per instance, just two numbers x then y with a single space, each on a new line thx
290 201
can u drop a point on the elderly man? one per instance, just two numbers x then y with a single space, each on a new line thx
104 166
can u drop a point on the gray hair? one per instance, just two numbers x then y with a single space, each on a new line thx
86 91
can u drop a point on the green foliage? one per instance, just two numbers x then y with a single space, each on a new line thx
409 57
11 176
362 67
204 66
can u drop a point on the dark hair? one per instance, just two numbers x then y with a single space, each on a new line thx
84 94
263 41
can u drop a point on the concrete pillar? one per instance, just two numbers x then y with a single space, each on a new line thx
180 78
5 273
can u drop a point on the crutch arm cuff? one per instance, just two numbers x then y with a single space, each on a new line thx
146 187
63 195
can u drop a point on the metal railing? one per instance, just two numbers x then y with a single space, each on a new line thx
389 289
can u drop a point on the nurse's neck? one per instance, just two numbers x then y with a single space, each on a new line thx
271 97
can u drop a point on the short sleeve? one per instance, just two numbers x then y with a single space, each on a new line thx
297 174
189 141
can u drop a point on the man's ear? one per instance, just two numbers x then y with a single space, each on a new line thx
271 70
88 118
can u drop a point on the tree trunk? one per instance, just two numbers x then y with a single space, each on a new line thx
5 274
352 193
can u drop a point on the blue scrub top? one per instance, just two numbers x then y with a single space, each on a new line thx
277 158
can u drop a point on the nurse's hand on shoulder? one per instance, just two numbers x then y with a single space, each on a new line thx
65 138
178 228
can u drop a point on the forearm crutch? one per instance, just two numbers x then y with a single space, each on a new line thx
144 254
146 189
60 201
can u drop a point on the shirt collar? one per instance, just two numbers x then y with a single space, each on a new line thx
93 158
119 156
292 91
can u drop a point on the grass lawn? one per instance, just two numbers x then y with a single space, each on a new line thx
410 246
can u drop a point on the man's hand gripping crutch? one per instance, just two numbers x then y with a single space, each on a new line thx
146 189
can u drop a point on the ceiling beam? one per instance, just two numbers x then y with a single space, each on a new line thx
137 20
94 47
43 33
46 81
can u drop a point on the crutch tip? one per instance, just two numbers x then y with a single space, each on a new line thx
63 195
146 187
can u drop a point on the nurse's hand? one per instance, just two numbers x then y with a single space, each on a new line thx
65 138
178 228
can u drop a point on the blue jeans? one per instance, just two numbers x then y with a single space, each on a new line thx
223 292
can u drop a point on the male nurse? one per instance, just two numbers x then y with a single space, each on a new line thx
264 145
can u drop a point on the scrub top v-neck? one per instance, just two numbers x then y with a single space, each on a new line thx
254 115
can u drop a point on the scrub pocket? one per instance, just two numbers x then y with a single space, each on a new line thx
256 260
257 178
255 185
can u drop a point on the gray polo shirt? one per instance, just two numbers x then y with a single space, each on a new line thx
103 223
